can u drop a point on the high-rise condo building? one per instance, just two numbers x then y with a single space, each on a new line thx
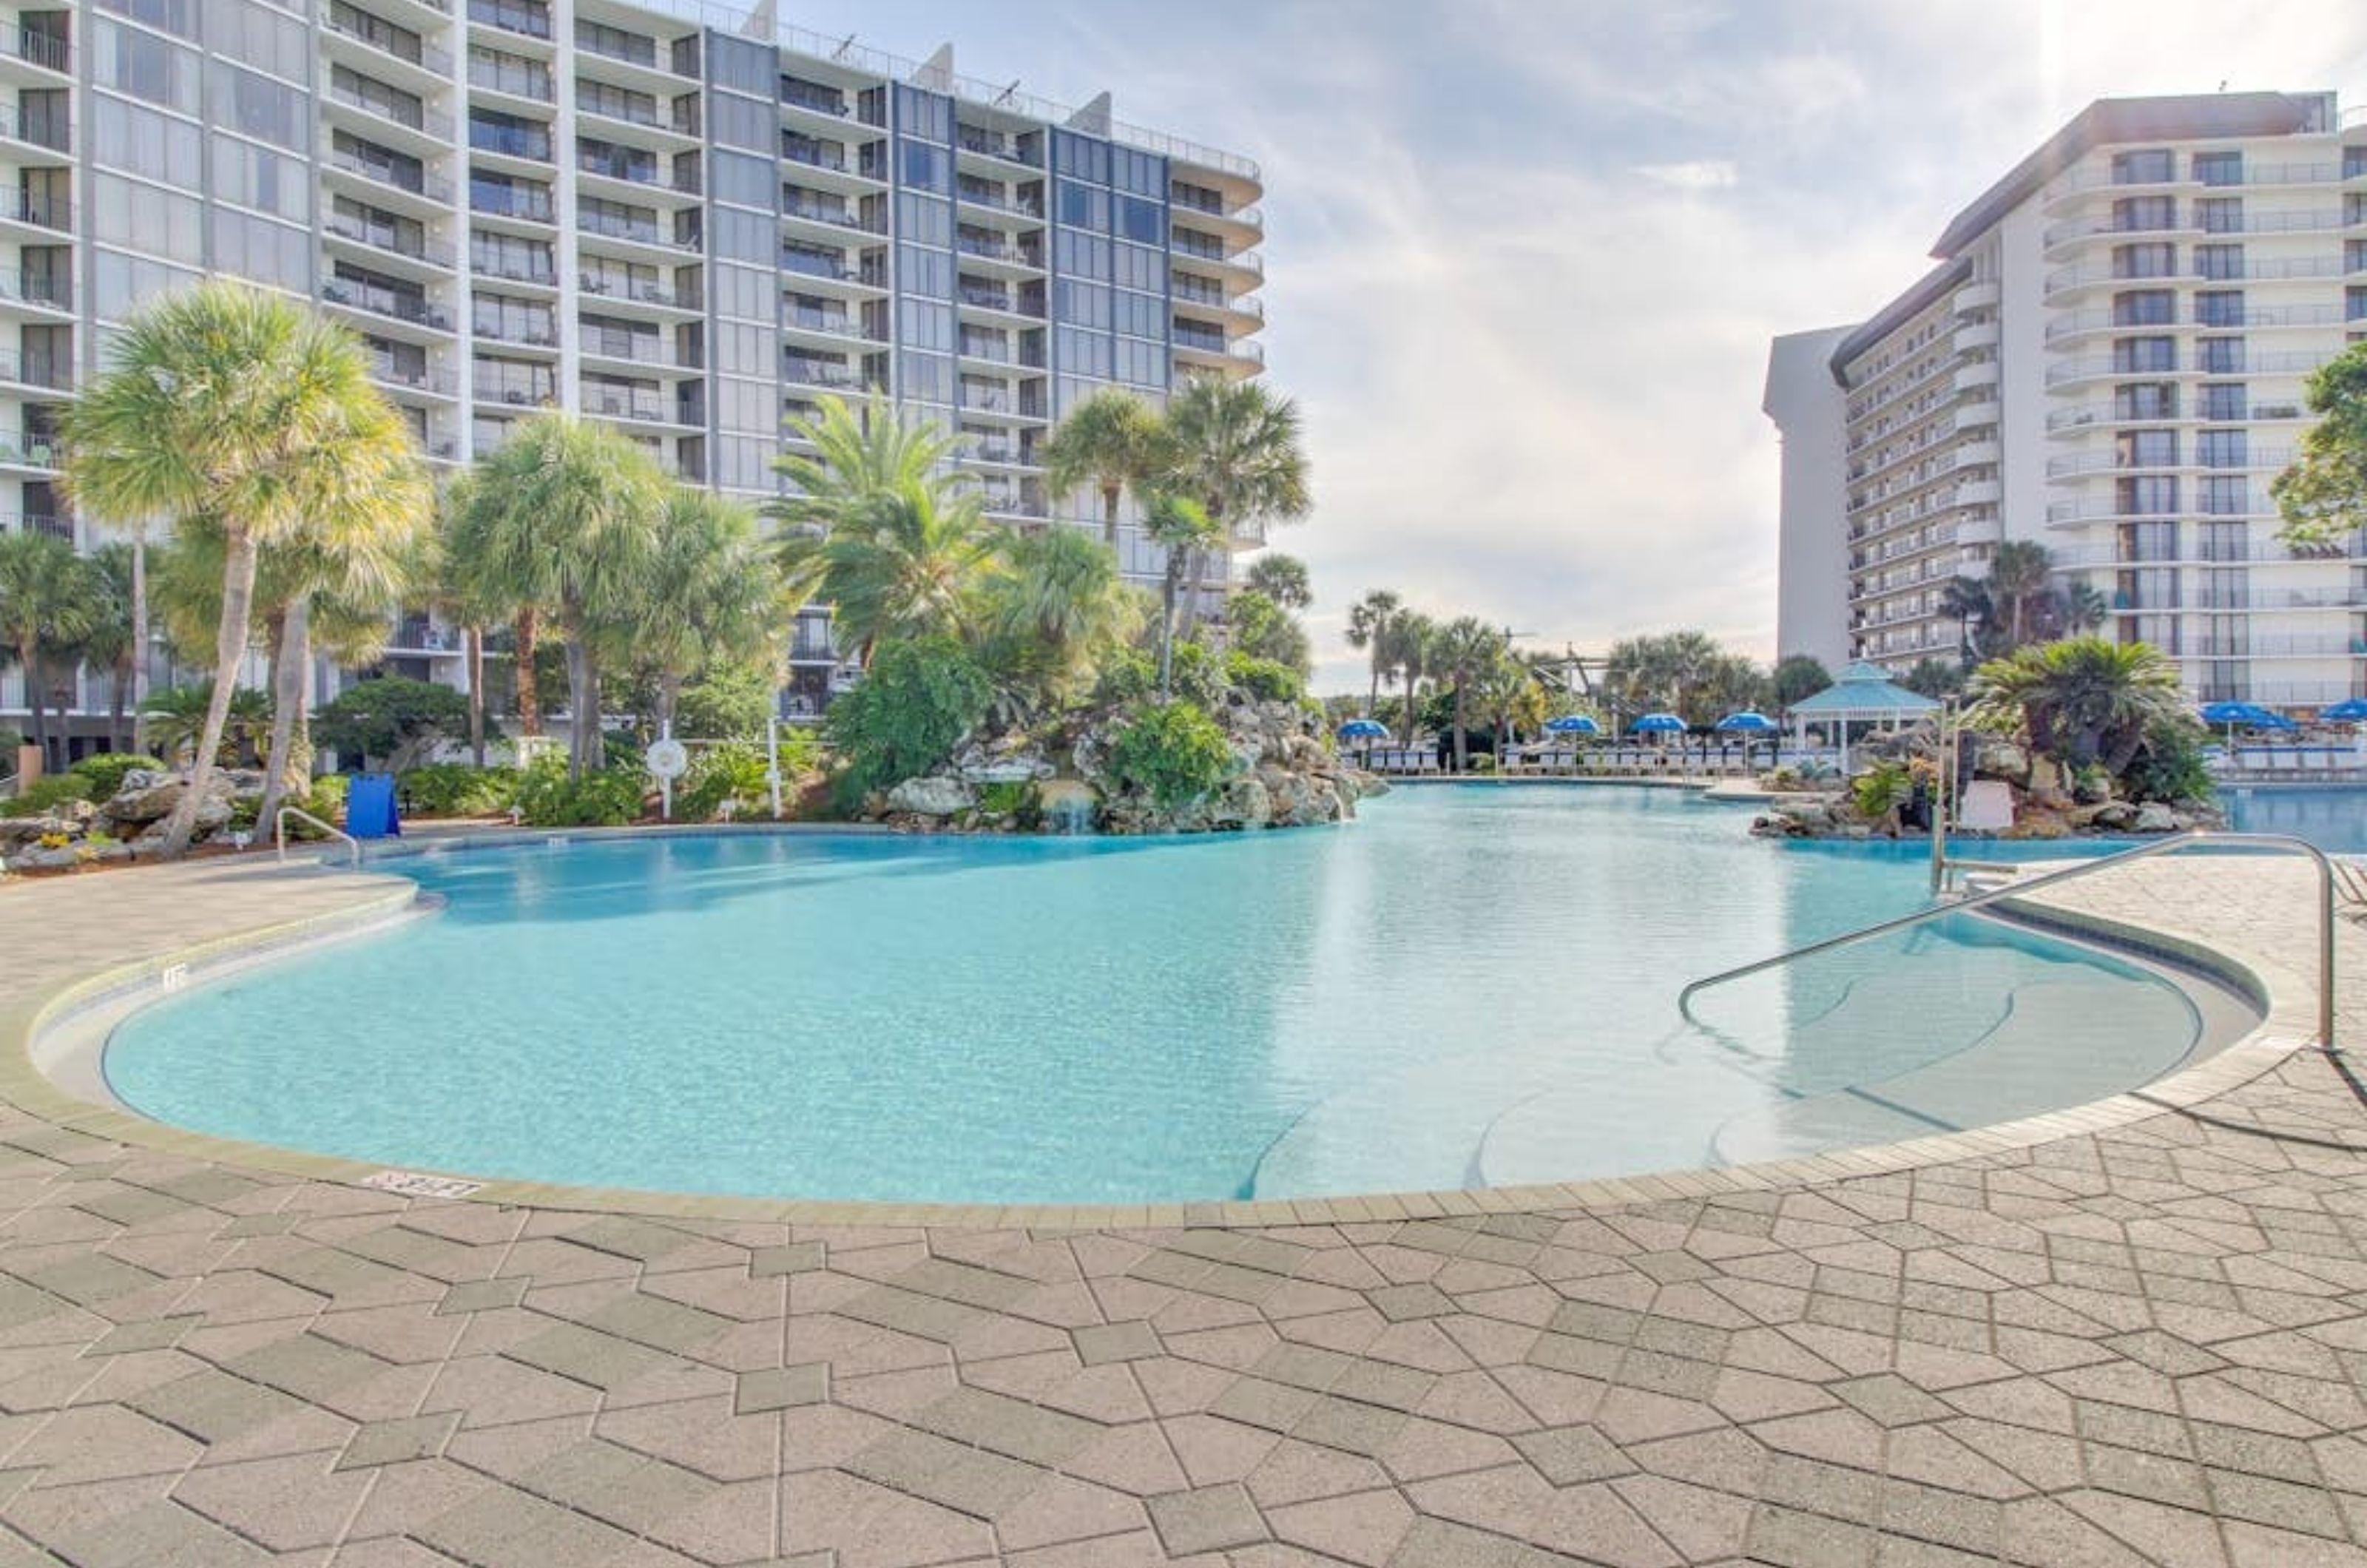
2108 361
675 217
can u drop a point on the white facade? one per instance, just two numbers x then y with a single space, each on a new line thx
675 217
2109 361
1812 614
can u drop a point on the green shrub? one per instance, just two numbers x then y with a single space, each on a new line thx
46 794
1882 789
455 789
547 798
1173 752
390 718
106 770
1267 679
1006 797
1196 676
720 774
2170 765
728 703
911 708
1126 675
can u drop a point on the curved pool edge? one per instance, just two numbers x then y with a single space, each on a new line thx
382 901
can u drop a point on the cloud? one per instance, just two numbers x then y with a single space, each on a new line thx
1698 174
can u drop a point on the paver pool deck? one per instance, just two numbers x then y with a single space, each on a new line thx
2142 1341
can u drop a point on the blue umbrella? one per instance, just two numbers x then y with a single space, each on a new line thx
1748 722
1363 730
1658 724
1572 724
2249 715
2351 710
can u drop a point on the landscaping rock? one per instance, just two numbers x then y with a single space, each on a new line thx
930 797
2155 817
2002 760
1243 803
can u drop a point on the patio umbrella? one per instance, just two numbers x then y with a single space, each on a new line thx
1748 725
2246 715
1658 724
1363 730
2351 710
1572 724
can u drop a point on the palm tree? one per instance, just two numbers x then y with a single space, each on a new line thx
1508 695
1966 600
1111 440
109 641
175 721
861 459
1282 579
1370 623
48 600
714 593
2085 608
566 514
2017 582
1184 528
2082 700
252 414
1409 635
1461 653
1797 677
899 564
1058 600
1234 448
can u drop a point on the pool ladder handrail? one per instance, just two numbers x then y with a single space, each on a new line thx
2084 868
279 831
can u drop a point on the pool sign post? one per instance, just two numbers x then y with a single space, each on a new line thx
666 760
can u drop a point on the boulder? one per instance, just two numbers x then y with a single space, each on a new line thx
930 797
2115 816
1243 803
39 859
2002 760
150 797
2153 816
15 830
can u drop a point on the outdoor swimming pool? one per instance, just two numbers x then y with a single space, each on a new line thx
1473 984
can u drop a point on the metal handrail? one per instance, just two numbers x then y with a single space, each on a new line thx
279 831
2084 868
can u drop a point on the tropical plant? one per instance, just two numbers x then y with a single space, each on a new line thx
1372 632
48 599
106 770
2081 700
2170 766
176 719
257 416
1881 790
2018 587
1282 579
566 512
1510 697
733 776
1113 441
455 789
458 582
1171 751
1184 528
1933 678
107 641
2322 496
1670 672
900 563
1234 448
1267 679
1409 635
1965 600
1052 612
714 594
728 701
550 795
860 457
47 792
1797 677
2083 607
1461 654
398 721
920 697
1266 630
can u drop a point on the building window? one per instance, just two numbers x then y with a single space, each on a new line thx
2146 449
2152 497
2133 213
2155 165
2220 448
2221 495
2219 168
2144 308
2220 215
2219 355
2219 307
2223 399
2144 261
2145 354
2219 262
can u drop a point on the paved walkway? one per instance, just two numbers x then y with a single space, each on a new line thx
2146 1345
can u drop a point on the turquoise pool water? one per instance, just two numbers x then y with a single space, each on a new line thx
2334 818
1472 984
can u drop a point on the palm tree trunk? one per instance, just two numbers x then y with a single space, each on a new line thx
230 650
1459 754
1109 515
586 752
282 772
529 705
29 660
476 644
139 670
1167 626
115 736
1412 677
668 697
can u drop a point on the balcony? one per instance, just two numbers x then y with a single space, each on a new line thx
806 264
814 155
37 48
533 83
619 402
815 99
435 383
1001 250
35 290
496 202
1977 377
520 17
638 348
408 181
22 449
400 45
995 144
533 144
388 242
820 373
638 290
22 369
393 307
836 215
983 299
50 133
608 226
1979 414
1974 297
38 210
839 323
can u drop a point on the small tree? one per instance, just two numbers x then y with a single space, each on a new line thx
1173 752
2322 498
919 697
1799 677
398 720
2079 701
48 599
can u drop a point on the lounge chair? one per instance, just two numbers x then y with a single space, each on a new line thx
2350 884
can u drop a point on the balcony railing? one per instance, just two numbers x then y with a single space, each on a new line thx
811 266
641 291
518 80
395 306
990 144
419 378
405 111
44 50
427 56
32 207
812 154
394 243
535 270
517 392
50 292
813 320
534 335
512 16
1025 207
820 373
839 217
19 449
608 226
532 205
435 187
643 348
48 131
998 249
616 402
35 370
511 142
815 100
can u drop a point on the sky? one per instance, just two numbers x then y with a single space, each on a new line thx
1523 257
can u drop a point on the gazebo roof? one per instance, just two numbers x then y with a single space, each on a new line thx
1863 691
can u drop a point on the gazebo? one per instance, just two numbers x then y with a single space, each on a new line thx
1863 692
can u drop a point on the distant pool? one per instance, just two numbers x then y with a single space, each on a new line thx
2333 819
1473 984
